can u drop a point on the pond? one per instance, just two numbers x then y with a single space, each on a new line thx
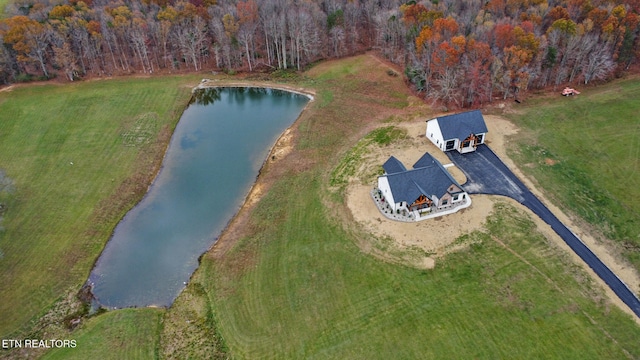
214 156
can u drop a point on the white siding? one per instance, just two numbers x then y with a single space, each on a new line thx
383 186
467 149
436 201
434 134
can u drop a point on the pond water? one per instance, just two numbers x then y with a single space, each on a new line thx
215 154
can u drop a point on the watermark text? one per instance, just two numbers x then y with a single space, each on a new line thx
37 343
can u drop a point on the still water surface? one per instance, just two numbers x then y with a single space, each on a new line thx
214 156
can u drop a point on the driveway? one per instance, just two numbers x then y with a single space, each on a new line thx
487 174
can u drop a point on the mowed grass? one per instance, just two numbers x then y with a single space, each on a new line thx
76 169
124 334
585 152
303 289
297 285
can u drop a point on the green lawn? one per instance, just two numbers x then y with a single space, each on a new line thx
297 285
125 334
303 289
593 141
75 169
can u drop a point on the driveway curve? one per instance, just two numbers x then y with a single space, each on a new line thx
487 174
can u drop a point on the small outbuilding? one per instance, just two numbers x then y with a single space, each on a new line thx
462 132
426 191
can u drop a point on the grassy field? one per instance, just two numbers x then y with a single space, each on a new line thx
304 290
585 151
77 157
125 334
297 285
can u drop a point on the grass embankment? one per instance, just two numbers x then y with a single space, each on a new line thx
346 168
296 285
585 152
124 334
78 155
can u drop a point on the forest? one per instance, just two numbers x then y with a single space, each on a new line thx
460 53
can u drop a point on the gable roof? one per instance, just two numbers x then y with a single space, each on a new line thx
393 166
425 161
460 126
428 177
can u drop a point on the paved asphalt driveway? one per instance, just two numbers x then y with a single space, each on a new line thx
487 174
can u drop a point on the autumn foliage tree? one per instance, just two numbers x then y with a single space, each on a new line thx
29 39
455 52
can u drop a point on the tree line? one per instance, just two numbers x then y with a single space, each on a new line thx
473 51
457 52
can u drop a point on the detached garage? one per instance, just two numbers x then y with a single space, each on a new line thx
462 132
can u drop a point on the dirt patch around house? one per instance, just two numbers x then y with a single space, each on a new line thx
437 237
434 237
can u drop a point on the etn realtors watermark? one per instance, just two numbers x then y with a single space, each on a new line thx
37 343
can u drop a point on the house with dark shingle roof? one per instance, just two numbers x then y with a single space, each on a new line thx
426 191
462 132
393 166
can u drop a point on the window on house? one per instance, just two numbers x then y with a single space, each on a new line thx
445 202
455 197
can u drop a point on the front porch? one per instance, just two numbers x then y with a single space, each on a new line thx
416 215
470 143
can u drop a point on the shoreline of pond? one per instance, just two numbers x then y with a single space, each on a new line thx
222 241
87 290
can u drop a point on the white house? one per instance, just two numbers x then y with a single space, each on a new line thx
462 132
426 191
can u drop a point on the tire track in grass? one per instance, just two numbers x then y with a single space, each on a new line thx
559 289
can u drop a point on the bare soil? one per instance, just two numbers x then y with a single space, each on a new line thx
434 237
437 236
